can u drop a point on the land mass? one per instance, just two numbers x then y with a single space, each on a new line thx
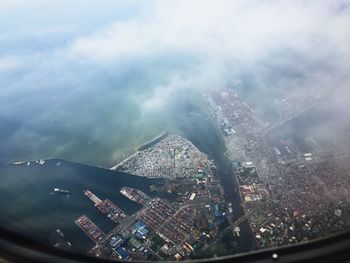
263 192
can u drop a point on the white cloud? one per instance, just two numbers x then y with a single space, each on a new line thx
134 66
4 4
243 34
226 28
8 64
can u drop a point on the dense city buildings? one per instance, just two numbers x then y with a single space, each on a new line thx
175 130
171 229
289 189
170 157
289 195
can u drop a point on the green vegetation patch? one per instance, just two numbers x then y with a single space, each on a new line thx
158 242
223 247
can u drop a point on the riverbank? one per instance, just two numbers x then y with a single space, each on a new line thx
207 137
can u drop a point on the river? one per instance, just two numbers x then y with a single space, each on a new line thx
206 136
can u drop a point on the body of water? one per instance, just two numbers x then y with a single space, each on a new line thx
28 207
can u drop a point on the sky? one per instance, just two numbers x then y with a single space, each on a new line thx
88 81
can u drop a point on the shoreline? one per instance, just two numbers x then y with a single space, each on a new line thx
142 147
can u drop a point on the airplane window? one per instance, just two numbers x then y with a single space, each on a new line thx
174 130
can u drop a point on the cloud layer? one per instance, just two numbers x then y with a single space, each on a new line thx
87 89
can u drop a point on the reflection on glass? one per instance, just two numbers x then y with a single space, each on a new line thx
174 130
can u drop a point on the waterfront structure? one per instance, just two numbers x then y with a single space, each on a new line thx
135 195
107 207
89 228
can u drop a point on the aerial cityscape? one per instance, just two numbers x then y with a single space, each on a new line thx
285 195
179 132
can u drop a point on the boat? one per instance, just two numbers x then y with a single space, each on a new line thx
135 195
57 239
61 191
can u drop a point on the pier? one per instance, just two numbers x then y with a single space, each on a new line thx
106 207
89 228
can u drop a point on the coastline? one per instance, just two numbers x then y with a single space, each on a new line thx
224 168
137 149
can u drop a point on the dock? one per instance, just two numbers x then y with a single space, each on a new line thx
106 207
89 228
135 195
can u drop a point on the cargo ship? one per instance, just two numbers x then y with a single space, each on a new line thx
97 201
135 195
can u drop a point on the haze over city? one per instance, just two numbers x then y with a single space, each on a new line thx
89 82
174 130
